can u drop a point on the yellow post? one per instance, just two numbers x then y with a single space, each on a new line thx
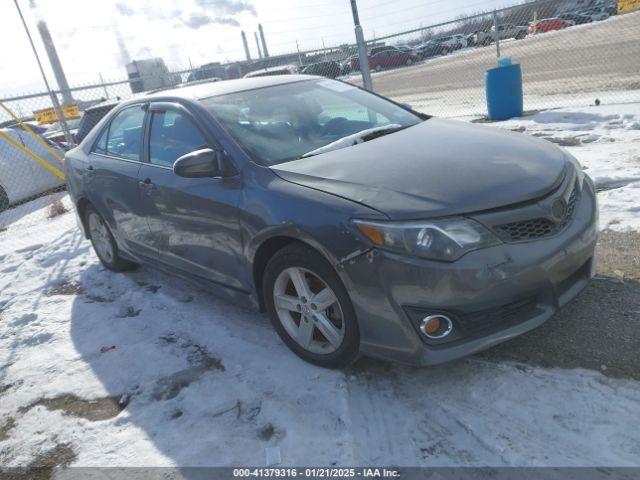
35 157
27 129
535 22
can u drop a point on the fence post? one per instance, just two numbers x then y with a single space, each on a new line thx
362 49
497 33
106 92
52 95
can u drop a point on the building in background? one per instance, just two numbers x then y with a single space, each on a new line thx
149 74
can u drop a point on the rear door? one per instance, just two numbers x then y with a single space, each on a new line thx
193 221
112 179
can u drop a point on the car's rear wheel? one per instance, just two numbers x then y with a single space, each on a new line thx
4 200
378 67
409 61
103 242
310 308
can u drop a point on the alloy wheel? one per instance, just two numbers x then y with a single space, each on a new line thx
309 310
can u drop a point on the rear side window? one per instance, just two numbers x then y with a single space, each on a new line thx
124 135
172 136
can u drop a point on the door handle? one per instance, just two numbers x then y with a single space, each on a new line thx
90 168
147 186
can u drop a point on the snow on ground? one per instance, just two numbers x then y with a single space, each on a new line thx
606 140
197 368
204 382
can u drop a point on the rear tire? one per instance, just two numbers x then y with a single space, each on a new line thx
310 308
378 68
103 242
4 200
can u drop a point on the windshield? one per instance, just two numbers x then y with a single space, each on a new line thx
283 122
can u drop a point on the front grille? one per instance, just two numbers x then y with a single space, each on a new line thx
537 227
484 322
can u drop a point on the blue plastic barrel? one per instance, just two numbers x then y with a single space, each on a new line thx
503 86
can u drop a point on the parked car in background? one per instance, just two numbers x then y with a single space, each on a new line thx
21 177
391 58
505 30
452 42
405 48
549 24
266 72
382 48
353 63
471 38
432 49
576 18
366 229
596 14
91 116
324 69
55 133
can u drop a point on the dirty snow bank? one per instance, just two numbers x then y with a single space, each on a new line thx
606 141
208 383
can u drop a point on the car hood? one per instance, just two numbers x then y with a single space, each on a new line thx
436 168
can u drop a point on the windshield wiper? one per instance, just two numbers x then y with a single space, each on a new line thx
355 138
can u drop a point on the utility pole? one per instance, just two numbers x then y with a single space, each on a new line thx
362 49
54 98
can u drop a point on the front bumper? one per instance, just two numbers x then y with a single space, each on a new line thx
491 295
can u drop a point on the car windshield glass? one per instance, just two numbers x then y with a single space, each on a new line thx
283 122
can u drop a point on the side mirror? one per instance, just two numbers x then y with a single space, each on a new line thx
199 164
407 106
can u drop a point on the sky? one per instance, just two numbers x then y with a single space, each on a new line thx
193 32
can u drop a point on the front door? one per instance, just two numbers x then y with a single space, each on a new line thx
193 221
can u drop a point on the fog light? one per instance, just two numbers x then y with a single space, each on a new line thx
436 327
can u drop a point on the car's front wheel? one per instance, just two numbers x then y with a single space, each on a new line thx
310 308
103 242
378 67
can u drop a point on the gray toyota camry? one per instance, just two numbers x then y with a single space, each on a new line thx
361 226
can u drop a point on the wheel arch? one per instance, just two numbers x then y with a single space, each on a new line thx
266 247
81 208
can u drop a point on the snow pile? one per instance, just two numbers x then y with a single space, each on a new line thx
606 141
208 383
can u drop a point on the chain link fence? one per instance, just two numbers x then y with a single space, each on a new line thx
571 53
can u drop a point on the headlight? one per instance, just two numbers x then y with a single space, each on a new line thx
445 240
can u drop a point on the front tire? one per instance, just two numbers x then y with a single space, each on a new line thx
310 308
103 242
378 68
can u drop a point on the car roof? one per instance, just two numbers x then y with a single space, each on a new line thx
212 89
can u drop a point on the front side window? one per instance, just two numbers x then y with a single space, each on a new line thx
124 135
172 136
283 122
